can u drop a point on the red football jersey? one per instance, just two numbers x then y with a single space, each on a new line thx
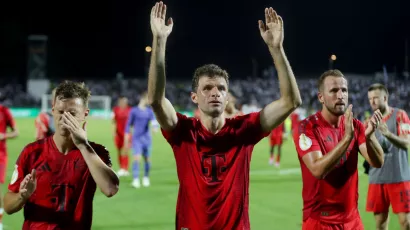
120 118
6 120
213 171
294 117
334 198
278 131
65 188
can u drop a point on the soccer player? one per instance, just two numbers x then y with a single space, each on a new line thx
391 183
276 139
44 122
6 121
139 120
230 110
121 113
328 143
55 178
213 153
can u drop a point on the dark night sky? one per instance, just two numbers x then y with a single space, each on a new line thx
98 40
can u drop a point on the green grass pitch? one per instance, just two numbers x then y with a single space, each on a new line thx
275 194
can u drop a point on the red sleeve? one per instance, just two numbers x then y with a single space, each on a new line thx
19 171
403 123
103 153
9 118
171 135
359 131
253 127
305 140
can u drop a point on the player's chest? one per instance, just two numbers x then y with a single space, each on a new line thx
61 171
329 139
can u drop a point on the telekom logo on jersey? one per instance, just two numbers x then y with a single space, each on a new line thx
213 166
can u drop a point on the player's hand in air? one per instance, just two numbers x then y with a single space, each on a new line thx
374 122
272 29
349 128
28 185
78 132
158 26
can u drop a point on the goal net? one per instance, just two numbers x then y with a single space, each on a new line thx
100 106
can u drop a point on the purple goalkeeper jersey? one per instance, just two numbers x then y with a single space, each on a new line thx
139 119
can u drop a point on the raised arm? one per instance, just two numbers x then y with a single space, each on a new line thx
402 138
162 107
276 112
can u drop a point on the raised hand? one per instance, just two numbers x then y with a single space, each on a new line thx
28 185
349 128
272 32
383 129
374 122
78 132
158 27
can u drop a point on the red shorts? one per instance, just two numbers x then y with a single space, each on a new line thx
119 141
380 196
3 166
312 224
276 140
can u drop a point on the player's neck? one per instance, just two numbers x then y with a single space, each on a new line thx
386 111
332 119
212 124
142 106
63 144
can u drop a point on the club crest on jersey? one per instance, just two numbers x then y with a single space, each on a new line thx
405 127
15 175
304 142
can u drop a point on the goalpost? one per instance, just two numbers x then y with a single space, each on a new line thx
100 106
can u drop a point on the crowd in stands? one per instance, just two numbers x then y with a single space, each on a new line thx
259 91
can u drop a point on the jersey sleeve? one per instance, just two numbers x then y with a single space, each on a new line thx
305 140
403 123
173 135
360 132
9 118
103 153
252 127
20 171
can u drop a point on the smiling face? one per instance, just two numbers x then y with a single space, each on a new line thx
211 95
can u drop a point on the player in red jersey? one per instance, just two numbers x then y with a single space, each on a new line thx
276 139
55 178
6 121
328 143
230 110
213 153
295 119
121 113
44 122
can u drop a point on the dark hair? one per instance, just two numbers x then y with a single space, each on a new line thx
378 86
332 72
209 70
70 89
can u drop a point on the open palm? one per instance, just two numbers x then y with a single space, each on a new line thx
272 32
158 27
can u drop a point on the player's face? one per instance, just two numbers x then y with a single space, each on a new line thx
211 95
377 99
334 95
123 102
75 106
